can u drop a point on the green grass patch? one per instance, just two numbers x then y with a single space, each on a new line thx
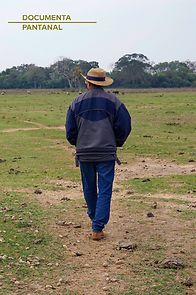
163 126
42 107
33 158
179 184
26 246
187 214
157 281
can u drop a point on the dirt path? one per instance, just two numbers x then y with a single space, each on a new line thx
152 167
10 130
99 267
38 126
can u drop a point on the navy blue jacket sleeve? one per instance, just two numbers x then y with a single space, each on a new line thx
71 127
122 125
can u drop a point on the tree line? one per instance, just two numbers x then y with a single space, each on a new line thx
130 71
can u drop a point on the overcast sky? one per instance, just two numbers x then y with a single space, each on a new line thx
163 30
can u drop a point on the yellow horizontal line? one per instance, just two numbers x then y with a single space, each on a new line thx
42 22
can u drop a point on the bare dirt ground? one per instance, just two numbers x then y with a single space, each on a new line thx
37 127
149 167
99 267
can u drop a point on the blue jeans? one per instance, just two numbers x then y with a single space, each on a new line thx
97 181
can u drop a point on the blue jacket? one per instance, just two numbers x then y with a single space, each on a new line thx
97 123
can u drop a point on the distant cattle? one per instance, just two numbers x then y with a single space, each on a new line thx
115 91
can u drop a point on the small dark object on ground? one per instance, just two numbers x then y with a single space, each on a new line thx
146 180
77 226
38 241
38 191
154 206
65 199
130 192
188 282
64 223
124 162
77 254
150 214
126 245
2 161
181 153
13 171
148 136
174 263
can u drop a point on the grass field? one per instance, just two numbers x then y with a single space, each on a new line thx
44 245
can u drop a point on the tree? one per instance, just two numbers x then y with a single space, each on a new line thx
63 69
70 70
174 74
82 66
37 76
132 70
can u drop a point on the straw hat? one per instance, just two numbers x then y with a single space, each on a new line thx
97 76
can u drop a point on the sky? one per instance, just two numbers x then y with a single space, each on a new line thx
163 30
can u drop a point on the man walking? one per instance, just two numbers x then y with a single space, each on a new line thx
97 123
